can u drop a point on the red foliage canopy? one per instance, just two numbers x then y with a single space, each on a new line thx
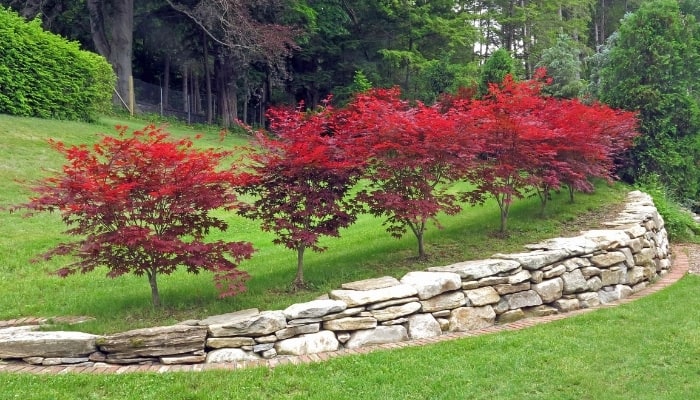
140 204
412 151
529 141
301 179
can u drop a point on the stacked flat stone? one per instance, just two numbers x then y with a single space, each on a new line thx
557 275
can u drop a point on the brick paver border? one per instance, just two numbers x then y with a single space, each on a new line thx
679 269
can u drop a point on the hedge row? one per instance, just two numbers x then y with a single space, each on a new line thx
44 75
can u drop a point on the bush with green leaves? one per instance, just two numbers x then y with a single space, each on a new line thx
44 75
680 224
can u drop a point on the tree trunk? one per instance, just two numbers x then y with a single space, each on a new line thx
421 245
152 280
207 78
114 40
185 88
299 279
166 83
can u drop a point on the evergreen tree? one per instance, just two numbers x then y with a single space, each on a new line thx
495 69
652 68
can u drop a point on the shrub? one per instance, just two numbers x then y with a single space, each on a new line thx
44 75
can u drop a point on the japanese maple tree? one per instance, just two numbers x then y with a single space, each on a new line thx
499 123
529 141
300 178
413 154
140 203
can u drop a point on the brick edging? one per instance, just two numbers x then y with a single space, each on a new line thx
679 269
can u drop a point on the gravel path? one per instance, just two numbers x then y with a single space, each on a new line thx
693 253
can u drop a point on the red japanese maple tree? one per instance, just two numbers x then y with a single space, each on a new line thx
413 153
141 204
300 179
528 141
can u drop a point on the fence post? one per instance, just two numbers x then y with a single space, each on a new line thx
132 97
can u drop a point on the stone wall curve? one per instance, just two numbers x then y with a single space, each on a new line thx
555 276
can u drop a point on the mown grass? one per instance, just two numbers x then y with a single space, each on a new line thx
648 349
364 250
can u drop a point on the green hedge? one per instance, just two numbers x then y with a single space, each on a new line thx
44 75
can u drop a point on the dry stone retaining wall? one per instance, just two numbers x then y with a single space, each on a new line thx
555 276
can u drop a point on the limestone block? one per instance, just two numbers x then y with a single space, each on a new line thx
314 309
549 290
636 245
554 272
342 336
421 326
639 287
469 285
191 359
608 259
493 280
441 314
397 321
348 312
262 324
379 335
634 231
482 296
645 257
230 355
612 294
566 305
536 276
467 318
444 324
25 343
527 298
635 275
608 239
292 331
501 307
588 299
308 344
394 312
574 282
224 318
361 297
371 284
229 342
477 269
388 303
610 277
511 316
629 257
589 272
266 339
430 284
541 311
350 324
259 348
520 277
268 354
154 342
576 263
512 288
573 246
535 259
445 301
594 284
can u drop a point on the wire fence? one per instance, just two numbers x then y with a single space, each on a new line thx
154 99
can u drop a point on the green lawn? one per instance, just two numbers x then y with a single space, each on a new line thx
364 250
648 349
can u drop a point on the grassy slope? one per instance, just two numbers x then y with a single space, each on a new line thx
643 350
364 250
